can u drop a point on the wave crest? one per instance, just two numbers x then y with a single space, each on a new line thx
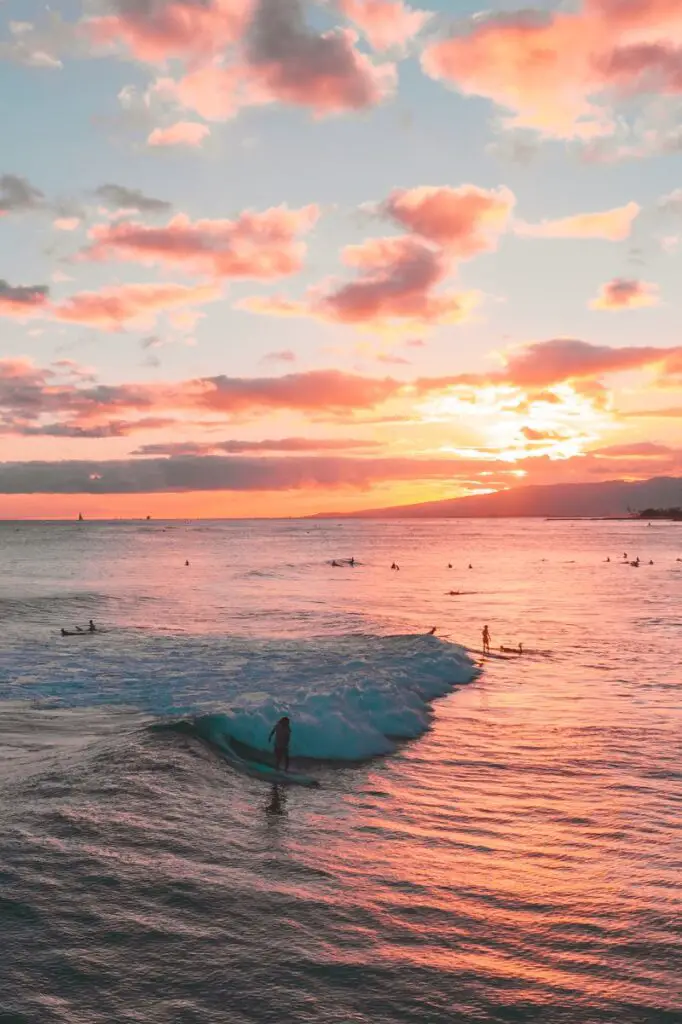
351 708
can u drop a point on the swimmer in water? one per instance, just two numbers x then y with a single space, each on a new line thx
486 640
432 630
186 562
351 561
282 734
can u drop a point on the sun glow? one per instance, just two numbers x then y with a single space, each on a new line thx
560 422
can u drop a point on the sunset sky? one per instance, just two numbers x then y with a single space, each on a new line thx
271 257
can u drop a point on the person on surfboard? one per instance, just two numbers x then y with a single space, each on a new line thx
282 734
486 640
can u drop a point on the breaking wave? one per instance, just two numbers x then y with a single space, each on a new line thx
349 700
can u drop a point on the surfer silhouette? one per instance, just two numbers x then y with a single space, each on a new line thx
282 734
486 640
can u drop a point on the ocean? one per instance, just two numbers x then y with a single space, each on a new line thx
492 840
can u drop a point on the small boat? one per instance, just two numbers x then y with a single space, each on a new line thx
80 517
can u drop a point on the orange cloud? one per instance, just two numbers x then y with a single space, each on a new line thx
562 73
257 245
622 293
396 287
182 133
611 225
112 308
385 23
466 220
179 28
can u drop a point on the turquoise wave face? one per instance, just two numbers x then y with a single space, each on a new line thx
349 697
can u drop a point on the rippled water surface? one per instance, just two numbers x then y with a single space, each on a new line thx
495 840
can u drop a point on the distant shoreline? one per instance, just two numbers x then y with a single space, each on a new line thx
345 517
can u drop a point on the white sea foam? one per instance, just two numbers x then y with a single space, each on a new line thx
349 697
355 708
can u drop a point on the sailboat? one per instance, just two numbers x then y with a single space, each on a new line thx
80 517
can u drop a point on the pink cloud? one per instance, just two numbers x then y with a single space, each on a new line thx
66 402
257 245
611 225
182 133
282 60
640 449
645 68
23 300
466 220
157 32
560 73
74 403
385 23
567 359
622 293
113 308
397 283
315 390
215 92
637 15
326 72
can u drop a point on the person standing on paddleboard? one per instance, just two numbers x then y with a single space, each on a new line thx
486 640
282 734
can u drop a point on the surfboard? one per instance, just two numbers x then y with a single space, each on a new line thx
497 657
266 772
76 632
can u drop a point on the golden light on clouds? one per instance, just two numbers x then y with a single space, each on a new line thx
512 423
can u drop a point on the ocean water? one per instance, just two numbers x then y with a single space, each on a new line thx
492 839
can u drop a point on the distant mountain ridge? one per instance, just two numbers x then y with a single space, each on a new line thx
607 498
